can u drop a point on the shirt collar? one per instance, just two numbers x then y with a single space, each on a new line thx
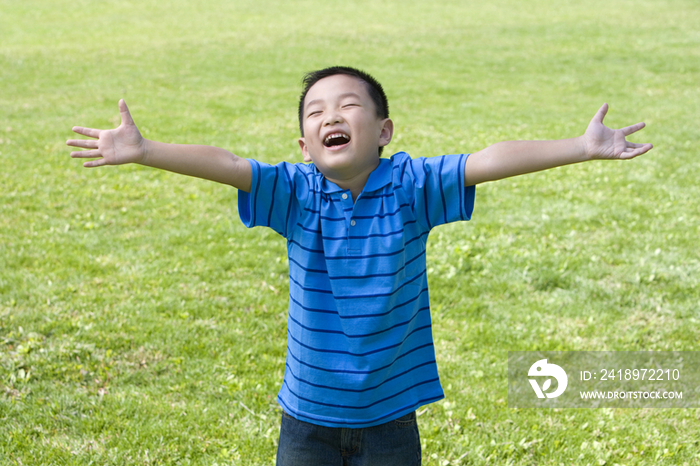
380 177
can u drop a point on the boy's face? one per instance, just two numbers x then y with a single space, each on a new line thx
342 133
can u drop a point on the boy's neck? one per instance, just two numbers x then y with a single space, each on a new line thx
355 183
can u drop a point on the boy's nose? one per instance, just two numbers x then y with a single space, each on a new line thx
332 118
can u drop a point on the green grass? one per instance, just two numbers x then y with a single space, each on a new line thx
141 323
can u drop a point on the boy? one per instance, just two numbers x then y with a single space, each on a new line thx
360 357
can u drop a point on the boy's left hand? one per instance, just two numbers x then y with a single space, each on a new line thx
602 142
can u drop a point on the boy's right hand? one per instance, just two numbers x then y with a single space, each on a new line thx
118 146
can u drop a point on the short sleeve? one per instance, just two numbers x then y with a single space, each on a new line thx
439 193
277 196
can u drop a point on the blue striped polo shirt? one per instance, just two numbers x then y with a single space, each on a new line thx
359 339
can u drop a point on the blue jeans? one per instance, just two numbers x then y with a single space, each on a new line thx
396 443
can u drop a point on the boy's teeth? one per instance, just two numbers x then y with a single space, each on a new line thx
335 135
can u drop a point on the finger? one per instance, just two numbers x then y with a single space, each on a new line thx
95 163
632 129
124 113
85 154
86 143
93 133
635 152
600 114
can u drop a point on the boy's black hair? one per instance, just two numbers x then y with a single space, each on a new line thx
374 89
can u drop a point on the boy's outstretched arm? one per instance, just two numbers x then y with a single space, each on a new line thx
510 158
125 144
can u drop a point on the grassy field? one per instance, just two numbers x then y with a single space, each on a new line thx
141 323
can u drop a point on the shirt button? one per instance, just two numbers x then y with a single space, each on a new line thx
352 223
344 196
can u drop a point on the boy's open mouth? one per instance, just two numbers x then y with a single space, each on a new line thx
336 139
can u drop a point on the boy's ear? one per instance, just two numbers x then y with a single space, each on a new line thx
304 150
387 132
